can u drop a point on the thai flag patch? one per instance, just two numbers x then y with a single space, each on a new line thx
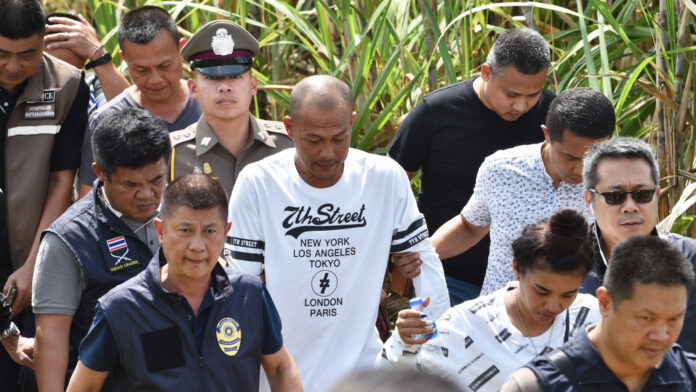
116 243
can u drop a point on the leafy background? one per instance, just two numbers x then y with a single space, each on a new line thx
392 52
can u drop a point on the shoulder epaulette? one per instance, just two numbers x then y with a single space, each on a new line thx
184 135
271 126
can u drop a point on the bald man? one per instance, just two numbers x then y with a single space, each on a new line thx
321 220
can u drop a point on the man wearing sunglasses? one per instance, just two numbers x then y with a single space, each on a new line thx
621 178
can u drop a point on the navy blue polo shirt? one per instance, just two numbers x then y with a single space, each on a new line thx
676 372
687 338
98 349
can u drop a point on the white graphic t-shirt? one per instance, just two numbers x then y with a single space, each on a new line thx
325 253
478 346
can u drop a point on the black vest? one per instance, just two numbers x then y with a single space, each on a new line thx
155 343
108 251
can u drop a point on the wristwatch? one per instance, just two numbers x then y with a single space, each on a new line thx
100 61
10 331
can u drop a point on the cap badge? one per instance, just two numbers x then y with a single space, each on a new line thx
222 44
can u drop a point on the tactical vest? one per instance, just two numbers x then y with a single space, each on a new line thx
109 253
156 346
31 128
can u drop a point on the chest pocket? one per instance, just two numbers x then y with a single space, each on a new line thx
163 349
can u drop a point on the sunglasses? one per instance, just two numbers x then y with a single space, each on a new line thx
616 198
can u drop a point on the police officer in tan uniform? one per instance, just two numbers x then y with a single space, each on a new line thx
226 137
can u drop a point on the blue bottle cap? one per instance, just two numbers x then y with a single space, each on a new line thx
415 301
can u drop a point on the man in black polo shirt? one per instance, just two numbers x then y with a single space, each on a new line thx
453 129
43 112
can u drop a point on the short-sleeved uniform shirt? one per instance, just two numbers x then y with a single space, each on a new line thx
197 149
188 116
513 189
448 135
65 153
98 350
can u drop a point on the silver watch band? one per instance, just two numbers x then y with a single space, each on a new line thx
11 330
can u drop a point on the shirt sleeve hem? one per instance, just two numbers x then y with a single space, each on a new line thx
69 311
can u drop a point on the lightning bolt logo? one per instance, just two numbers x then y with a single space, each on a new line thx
324 283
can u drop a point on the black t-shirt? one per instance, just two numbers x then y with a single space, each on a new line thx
65 153
448 135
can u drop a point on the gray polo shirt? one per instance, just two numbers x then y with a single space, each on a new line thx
188 116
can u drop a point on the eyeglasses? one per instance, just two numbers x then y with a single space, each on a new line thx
616 198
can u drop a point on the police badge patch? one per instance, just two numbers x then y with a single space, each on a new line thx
222 44
229 336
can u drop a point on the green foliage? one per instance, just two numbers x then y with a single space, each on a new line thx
392 52
682 224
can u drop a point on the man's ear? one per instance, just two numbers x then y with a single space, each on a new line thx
191 83
604 300
254 84
159 228
545 130
182 42
485 72
588 201
120 54
100 173
288 126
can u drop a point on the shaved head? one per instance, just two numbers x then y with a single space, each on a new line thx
323 92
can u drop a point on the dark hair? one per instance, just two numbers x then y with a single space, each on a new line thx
21 19
644 260
583 111
395 380
62 15
617 148
195 191
131 138
524 49
560 243
142 24
326 91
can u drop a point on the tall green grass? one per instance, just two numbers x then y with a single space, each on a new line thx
392 52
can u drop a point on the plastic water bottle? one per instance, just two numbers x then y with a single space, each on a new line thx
416 303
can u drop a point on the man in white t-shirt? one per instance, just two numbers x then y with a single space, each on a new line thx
321 220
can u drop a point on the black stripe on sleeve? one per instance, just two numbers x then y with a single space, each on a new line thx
410 243
246 243
243 256
413 227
